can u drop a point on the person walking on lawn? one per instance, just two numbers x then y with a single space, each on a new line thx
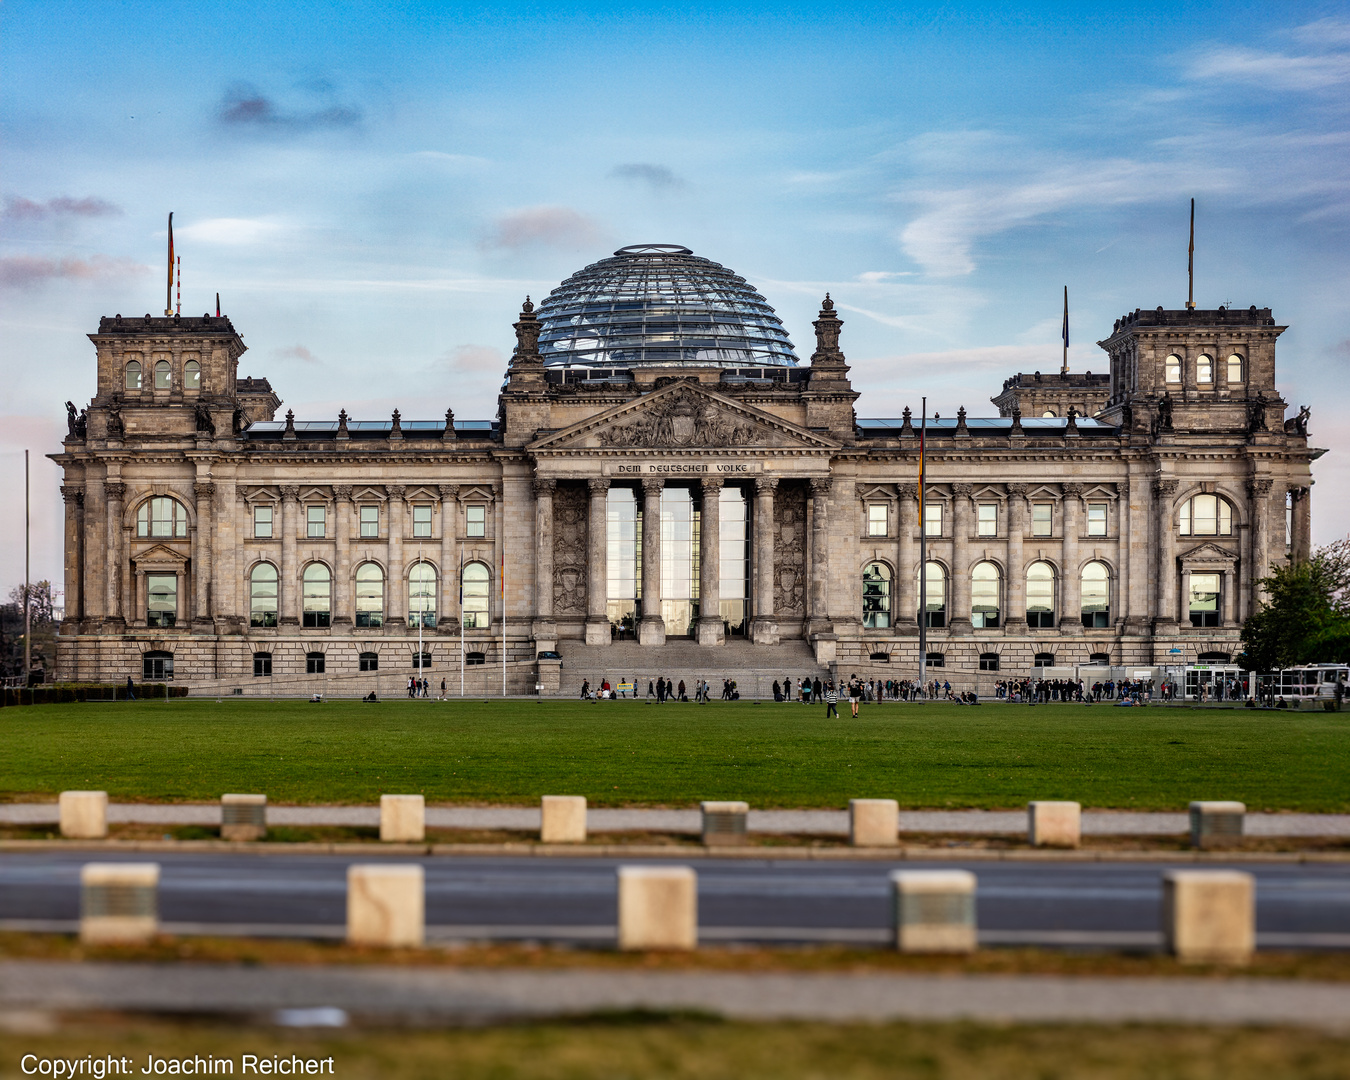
831 701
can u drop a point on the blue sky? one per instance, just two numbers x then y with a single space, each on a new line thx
374 187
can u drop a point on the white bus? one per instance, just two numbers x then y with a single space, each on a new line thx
1307 682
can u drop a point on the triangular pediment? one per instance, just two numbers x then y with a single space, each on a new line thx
1207 552
159 556
683 416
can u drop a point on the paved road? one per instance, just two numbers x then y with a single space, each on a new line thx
815 822
1100 904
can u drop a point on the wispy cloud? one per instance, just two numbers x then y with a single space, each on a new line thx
475 359
18 208
230 231
1274 70
296 352
245 106
544 226
657 177
28 271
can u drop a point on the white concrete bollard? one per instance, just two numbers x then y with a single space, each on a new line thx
1216 824
84 815
562 819
934 910
724 822
243 817
386 905
403 818
1054 824
873 822
658 907
1209 916
119 902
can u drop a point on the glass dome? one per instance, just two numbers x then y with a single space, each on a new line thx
660 304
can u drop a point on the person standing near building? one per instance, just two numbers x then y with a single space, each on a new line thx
831 701
854 692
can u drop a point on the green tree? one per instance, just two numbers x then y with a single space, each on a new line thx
1306 616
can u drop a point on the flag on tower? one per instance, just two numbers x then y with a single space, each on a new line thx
168 292
1064 364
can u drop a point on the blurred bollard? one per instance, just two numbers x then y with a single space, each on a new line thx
1216 824
724 822
243 817
119 902
934 910
386 905
562 819
1209 916
873 822
1054 824
84 815
658 907
403 818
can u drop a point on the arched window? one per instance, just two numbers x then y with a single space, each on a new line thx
262 665
1172 369
262 597
421 661
988 661
1234 369
369 661
1204 370
318 595
984 595
161 517
1044 659
314 663
133 376
935 596
163 376
935 659
369 595
1100 658
473 591
157 665
880 657
475 659
1214 658
1096 596
1206 515
1040 595
192 375
1048 413
422 595
877 596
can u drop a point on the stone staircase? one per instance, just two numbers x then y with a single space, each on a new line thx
753 667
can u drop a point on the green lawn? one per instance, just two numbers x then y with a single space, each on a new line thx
629 753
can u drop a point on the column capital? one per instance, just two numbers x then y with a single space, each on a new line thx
1072 491
342 492
963 491
1259 487
907 491
598 485
710 484
290 492
544 485
204 489
449 492
820 485
653 485
114 489
1298 493
395 491
766 485
1016 491
73 493
1164 489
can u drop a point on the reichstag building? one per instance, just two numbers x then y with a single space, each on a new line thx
669 489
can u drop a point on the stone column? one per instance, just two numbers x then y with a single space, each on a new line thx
1258 489
1070 609
819 612
1227 594
764 627
93 562
114 490
74 535
710 628
651 628
225 548
597 569
960 614
289 585
1302 523
1165 582
904 605
202 557
1014 588
545 631
449 605
396 590
344 588
1185 618
1120 598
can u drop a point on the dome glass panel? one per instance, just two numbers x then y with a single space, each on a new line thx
660 304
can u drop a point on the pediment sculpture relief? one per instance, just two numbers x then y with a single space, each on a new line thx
684 419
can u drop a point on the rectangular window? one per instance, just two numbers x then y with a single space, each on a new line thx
161 599
370 522
988 519
262 522
262 665
314 518
1042 519
421 521
1204 600
475 520
932 519
877 519
1096 519
314 663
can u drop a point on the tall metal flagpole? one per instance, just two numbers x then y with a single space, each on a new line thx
1064 367
421 618
27 588
168 289
923 561
461 621
503 582
1190 264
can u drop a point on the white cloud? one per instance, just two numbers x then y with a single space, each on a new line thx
544 226
1273 70
476 358
230 231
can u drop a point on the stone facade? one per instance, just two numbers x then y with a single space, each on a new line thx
263 556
